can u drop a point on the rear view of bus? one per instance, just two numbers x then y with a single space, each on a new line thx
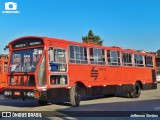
26 69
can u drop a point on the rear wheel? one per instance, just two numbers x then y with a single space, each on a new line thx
127 95
75 95
42 102
136 91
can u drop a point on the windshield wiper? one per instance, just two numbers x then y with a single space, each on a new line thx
14 67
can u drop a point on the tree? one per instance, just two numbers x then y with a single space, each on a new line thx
92 38
6 47
158 52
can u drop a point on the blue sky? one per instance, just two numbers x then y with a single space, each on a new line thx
126 23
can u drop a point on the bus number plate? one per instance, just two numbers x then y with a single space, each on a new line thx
16 93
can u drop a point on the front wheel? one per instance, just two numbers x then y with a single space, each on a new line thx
136 91
75 95
42 102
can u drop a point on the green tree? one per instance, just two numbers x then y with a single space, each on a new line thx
6 47
158 52
92 38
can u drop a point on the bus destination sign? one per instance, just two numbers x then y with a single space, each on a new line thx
27 42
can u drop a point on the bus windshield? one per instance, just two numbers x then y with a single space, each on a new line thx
25 60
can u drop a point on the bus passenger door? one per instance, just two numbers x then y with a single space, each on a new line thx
58 66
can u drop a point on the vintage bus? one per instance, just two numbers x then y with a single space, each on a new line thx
48 69
3 70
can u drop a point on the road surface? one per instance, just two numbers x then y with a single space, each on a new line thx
149 101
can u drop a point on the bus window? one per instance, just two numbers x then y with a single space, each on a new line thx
42 73
113 57
97 56
25 60
148 61
57 60
16 58
78 54
5 66
138 59
127 59
58 80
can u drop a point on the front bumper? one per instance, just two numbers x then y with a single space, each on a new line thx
24 94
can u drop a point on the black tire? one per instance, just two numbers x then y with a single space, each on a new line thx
127 95
75 95
41 102
136 91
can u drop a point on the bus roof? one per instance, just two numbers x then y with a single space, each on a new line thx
85 44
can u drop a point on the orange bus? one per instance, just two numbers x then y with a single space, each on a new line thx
3 70
48 69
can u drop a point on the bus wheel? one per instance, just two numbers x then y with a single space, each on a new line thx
41 102
127 95
136 91
75 95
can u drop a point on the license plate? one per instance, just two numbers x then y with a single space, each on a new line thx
16 93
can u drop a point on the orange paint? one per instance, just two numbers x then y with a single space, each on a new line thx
3 70
89 74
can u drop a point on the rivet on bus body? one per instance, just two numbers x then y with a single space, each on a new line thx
104 85
89 86
69 87
144 83
120 84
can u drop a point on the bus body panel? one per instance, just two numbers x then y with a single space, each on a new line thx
96 79
3 70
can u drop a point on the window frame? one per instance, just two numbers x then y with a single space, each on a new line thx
118 53
53 48
149 65
56 85
138 64
98 62
80 60
127 63
5 67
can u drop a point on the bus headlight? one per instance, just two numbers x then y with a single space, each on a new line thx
30 94
7 93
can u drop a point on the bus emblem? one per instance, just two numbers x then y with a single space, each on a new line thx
94 73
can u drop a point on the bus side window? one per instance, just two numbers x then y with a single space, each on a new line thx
78 54
57 60
91 55
138 60
5 66
148 61
58 80
113 57
127 59
97 56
